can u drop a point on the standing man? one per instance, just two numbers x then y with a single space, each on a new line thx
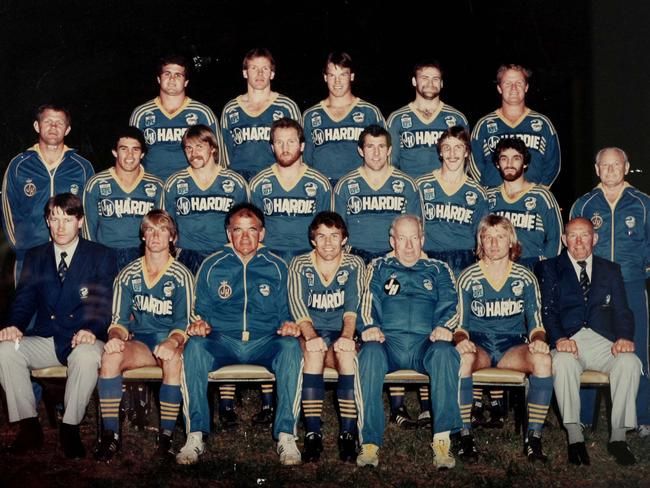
115 200
165 119
408 313
241 310
333 126
289 192
325 288
246 120
152 300
419 125
371 196
620 215
200 196
591 327
530 207
67 284
46 169
514 120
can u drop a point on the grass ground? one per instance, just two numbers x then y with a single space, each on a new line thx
245 456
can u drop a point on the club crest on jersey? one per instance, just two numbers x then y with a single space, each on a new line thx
536 125
233 117
168 288
191 119
228 186
267 188
492 127
530 203
407 139
353 187
29 188
427 284
182 188
450 120
277 115
630 222
149 119
342 277
136 283
74 188
398 186
83 292
265 290
358 117
492 201
517 287
224 290
478 308
310 277
392 286
470 197
150 190
597 221
429 192
477 290
406 121
105 189
310 189
316 120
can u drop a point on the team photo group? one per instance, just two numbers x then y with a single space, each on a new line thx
328 238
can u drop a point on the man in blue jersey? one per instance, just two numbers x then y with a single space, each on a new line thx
371 196
333 126
325 288
152 301
499 325
46 169
115 200
418 126
515 119
621 217
408 314
165 119
246 120
200 196
242 316
289 192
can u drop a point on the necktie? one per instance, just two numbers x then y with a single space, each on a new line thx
584 278
63 267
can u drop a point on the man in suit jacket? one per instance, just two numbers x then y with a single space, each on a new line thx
67 283
589 324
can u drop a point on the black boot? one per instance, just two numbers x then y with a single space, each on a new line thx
73 448
29 438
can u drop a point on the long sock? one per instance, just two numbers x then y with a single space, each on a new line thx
227 397
539 398
170 404
496 400
347 406
465 396
396 394
425 403
477 395
110 396
313 392
267 395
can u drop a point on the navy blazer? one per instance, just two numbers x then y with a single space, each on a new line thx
564 309
82 301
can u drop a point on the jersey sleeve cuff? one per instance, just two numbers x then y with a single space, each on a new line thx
120 327
537 334
181 332
460 335
350 314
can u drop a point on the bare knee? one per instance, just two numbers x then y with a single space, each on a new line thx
345 361
172 371
467 360
314 361
111 364
542 364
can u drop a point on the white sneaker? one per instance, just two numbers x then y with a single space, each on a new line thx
192 449
442 456
288 451
643 430
368 455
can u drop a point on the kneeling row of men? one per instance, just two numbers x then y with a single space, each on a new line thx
245 306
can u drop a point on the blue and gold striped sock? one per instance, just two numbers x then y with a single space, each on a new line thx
170 404
110 396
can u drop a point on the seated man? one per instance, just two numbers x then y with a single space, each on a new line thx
325 287
408 313
240 309
152 299
591 327
499 325
67 284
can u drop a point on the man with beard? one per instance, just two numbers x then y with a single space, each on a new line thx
419 125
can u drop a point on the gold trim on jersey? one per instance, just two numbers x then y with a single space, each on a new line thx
363 174
425 120
126 189
36 148
274 96
495 285
276 173
449 189
335 119
312 257
153 282
194 177
167 114
507 122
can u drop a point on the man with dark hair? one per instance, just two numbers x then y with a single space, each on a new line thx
116 199
246 120
332 127
515 120
241 295
416 128
48 168
165 119
67 284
